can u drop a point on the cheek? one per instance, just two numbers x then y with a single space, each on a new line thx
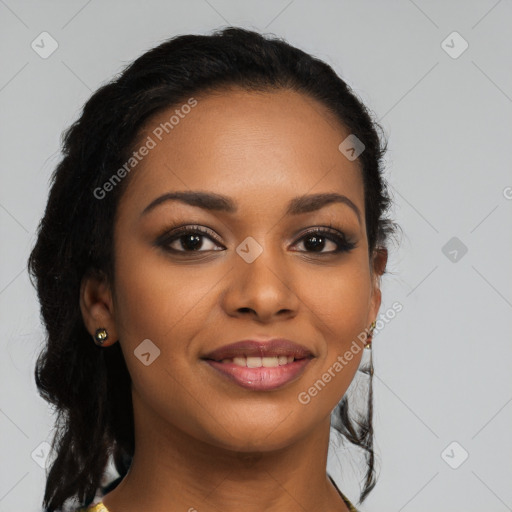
145 288
340 309
159 301
339 299
155 302
141 300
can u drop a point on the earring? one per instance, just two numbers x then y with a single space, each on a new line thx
100 336
370 333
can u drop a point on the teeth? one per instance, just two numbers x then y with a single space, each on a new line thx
258 362
254 362
269 362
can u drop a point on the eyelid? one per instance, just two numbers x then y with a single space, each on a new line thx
174 232
329 228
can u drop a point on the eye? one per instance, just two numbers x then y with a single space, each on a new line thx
188 239
315 241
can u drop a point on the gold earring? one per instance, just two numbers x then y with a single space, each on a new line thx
370 333
100 336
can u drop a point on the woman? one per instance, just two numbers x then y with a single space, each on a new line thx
208 268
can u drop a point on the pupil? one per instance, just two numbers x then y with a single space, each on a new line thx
191 242
319 242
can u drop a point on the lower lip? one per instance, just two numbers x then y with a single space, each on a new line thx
261 379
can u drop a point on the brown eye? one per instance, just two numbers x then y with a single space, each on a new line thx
316 240
188 239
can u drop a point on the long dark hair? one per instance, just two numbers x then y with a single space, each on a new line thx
90 386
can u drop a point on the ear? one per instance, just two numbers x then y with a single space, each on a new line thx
379 262
97 306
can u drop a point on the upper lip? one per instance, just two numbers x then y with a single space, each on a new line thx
252 348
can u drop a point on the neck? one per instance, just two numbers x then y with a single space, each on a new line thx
173 471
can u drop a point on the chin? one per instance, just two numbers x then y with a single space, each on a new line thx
262 432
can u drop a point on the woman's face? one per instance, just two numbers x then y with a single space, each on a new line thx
254 273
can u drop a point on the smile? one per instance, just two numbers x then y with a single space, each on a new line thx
258 362
260 373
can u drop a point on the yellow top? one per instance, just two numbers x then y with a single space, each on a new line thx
99 507
351 507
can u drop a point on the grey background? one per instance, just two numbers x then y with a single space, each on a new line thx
443 363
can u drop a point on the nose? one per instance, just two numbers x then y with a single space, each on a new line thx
263 289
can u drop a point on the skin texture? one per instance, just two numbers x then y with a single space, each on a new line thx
202 441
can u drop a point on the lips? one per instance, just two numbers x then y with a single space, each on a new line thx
260 365
278 347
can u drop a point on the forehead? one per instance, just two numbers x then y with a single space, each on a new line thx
248 145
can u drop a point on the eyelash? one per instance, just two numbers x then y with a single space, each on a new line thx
343 244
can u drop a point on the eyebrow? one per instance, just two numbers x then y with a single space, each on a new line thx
218 202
